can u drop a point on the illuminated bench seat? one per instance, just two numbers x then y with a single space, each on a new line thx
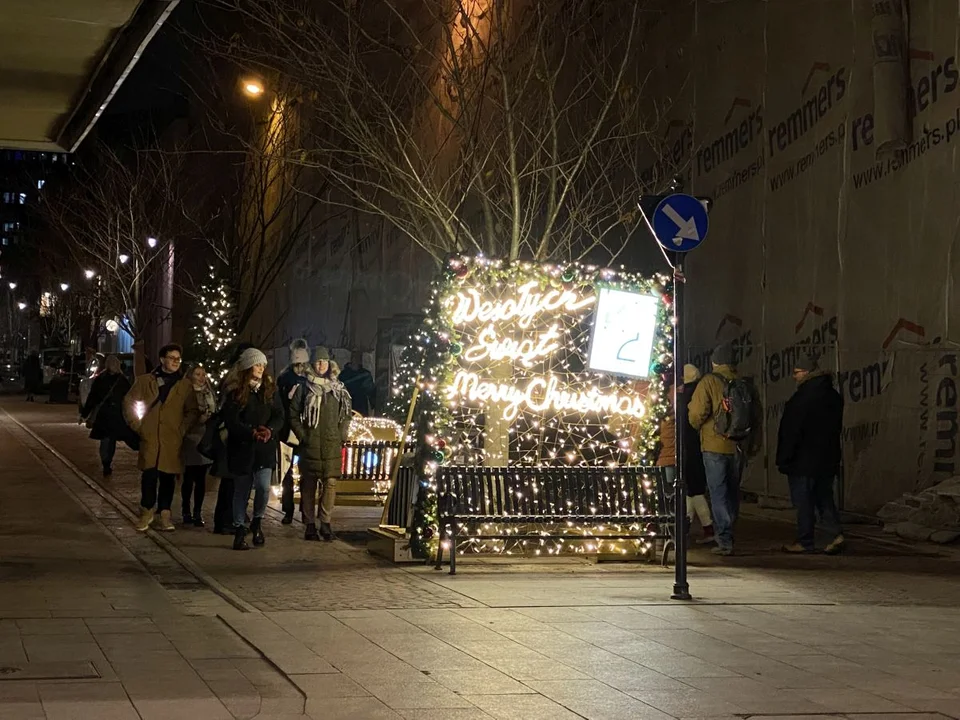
594 505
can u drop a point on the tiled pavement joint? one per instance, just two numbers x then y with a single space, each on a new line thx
192 568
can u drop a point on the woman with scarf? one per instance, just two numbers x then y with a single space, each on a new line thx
253 418
195 464
320 414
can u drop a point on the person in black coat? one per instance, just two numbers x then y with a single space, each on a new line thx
106 401
32 375
809 453
253 417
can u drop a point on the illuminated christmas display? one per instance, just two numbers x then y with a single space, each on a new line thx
214 330
503 364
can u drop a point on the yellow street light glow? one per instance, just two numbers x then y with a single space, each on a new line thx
253 88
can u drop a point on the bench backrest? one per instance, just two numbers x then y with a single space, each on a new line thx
550 491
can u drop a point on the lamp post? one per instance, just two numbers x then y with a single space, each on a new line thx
14 354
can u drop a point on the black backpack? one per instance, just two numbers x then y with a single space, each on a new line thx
735 417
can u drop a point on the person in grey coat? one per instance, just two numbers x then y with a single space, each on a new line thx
196 465
320 413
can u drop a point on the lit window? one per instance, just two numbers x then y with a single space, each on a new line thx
6 241
23 198
40 184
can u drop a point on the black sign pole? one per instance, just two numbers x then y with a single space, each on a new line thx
681 588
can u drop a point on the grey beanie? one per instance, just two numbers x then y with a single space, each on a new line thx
807 361
299 352
320 353
724 354
251 357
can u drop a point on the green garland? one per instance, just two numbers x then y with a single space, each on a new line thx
449 435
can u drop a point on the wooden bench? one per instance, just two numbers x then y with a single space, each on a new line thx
552 496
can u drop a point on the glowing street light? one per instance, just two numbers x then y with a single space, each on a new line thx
64 286
123 259
89 274
253 87
12 286
22 305
152 242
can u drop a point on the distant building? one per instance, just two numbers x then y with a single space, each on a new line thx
23 175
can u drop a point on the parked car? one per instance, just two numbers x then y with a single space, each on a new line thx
96 367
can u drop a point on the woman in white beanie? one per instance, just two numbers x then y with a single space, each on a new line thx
253 417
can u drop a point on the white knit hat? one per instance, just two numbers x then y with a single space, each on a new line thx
251 357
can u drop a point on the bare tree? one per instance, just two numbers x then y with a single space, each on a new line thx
116 221
268 210
511 128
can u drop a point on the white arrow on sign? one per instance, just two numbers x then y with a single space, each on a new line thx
686 229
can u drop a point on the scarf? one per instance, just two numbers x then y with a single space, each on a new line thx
316 388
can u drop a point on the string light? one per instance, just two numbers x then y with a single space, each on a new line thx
507 343
214 327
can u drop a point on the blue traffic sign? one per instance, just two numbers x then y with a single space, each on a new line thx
680 222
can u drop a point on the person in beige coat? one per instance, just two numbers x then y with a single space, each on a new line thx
160 407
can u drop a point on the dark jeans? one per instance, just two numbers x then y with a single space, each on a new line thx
108 446
195 484
813 496
259 482
723 481
223 513
156 488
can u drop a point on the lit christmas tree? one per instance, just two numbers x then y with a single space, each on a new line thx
214 326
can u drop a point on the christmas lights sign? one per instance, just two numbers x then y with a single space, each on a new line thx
518 362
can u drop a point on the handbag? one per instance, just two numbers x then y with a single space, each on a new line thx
212 442
92 417
131 437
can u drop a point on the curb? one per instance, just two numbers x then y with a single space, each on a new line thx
182 559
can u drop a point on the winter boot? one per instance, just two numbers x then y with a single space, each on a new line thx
326 532
198 520
146 519
166 521
256 527
311 533
240 538
287 518
187 518
107 471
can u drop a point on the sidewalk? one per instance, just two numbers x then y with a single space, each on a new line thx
320 631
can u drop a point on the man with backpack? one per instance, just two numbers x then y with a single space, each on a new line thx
725 410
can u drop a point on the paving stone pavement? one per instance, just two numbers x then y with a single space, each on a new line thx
865 637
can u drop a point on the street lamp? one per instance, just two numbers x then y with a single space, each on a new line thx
21 305
152 242
12 286
89 274
64 286
123 259
253 87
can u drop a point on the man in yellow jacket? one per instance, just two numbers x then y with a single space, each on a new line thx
722 459
160 407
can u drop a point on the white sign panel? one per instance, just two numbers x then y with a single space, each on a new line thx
622 339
